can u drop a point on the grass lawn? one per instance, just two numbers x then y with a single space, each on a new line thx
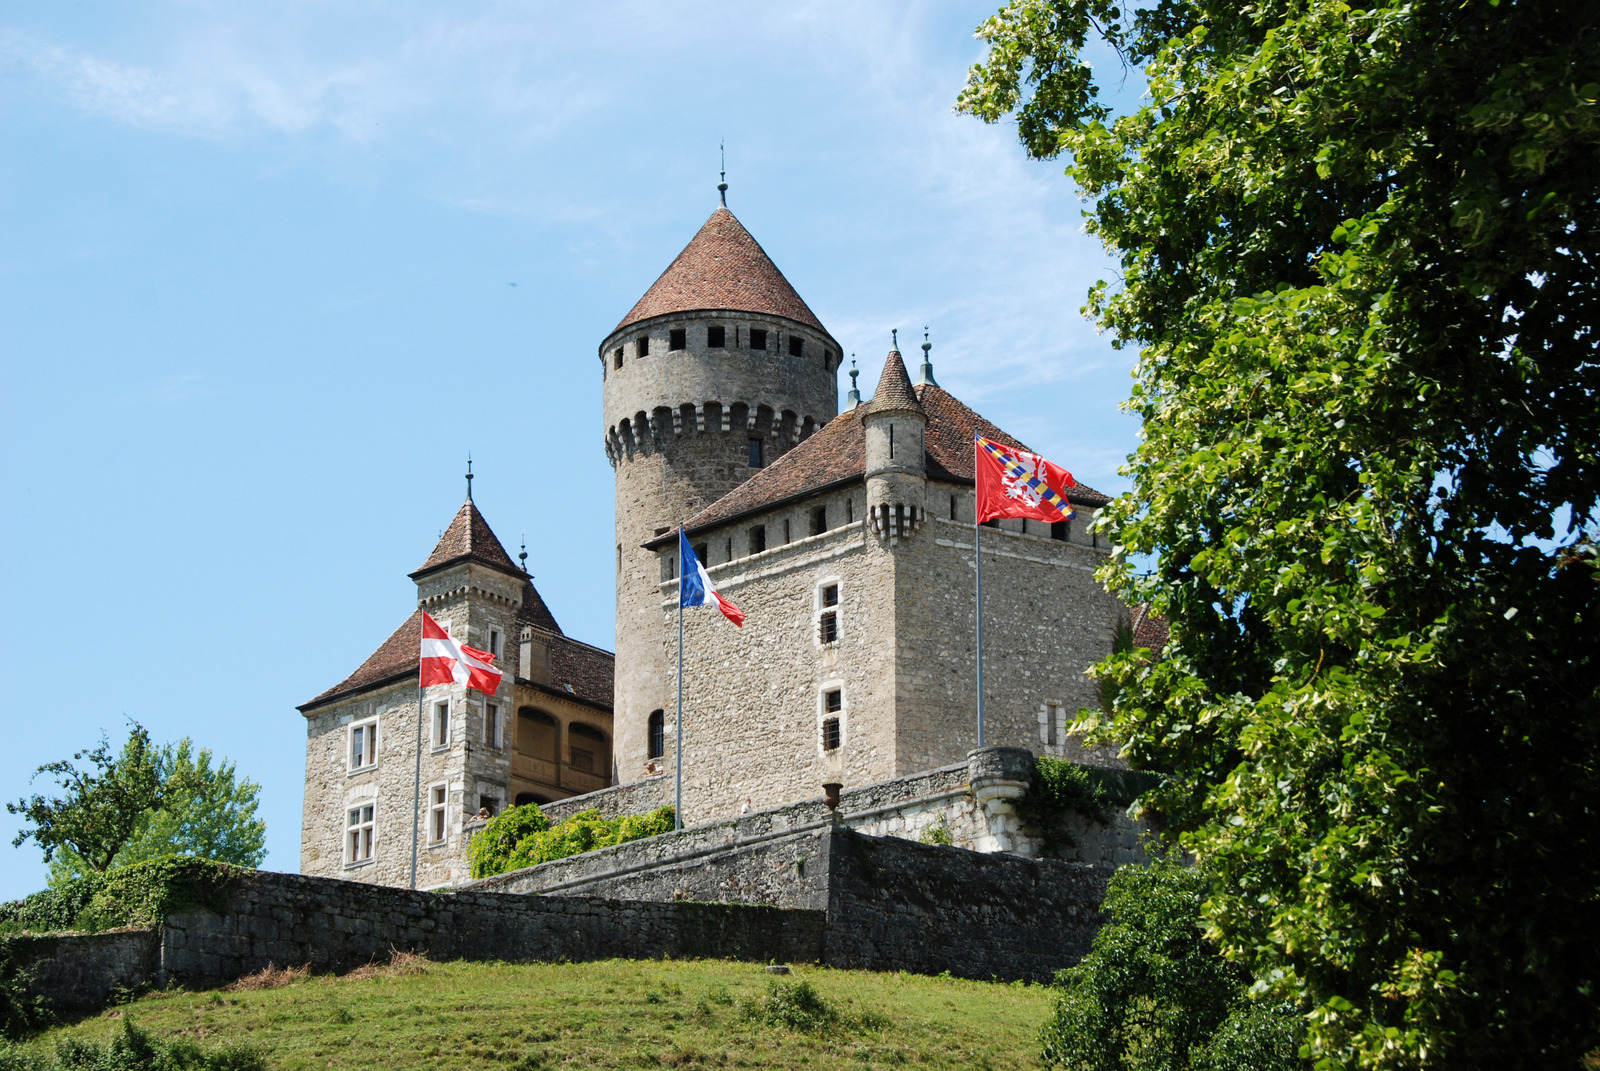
620 1013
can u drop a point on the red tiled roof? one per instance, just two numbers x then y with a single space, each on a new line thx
836 452
722 267
1150 630
588 670
894 388
468 537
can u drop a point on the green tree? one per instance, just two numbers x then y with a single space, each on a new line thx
1358 252
102 805
1154 995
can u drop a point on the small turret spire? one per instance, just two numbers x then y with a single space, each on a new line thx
722 187
894 339
925 376
853 399
523 557
469 475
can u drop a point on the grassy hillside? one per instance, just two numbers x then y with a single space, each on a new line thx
616 1014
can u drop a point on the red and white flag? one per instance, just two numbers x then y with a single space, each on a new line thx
1015 483
444 661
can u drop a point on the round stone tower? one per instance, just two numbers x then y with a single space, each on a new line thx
718 370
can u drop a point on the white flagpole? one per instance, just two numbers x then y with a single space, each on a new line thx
977 553
416 781
677 813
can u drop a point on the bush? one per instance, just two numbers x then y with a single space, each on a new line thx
1060 788
1153 995
132 1049
138 895
518 839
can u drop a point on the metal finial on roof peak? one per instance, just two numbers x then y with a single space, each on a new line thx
722 187
469 475
925 376
894 339
523 557
853 399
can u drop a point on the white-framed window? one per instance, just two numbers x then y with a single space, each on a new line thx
1052 725
831 717
438 808
494 642
361 751
360 833
826 612
441 725
491 725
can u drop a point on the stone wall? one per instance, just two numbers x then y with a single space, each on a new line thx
77 972
636 797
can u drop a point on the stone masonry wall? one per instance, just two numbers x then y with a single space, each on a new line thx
76 972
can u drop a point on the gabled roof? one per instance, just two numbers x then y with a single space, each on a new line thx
576 668
1150 630
836 453
722 268
469 537
894 391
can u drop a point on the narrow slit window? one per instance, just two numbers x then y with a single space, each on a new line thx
786 530
891 442
849 511
491 725
757 454
717 337
727 549
758 338
441 725
658 733
616 357
678 338
952 507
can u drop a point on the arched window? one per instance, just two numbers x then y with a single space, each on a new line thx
658 733
588 750
537 734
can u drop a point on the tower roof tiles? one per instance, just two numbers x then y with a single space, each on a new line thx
469 537
722 268
894 388
836 453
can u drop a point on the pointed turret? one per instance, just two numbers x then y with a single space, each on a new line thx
469 538
895 427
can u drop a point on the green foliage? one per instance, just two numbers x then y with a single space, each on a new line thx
101 806
937 833
796 1006
1153 995
139 895
1358 254
1061 788
522 837
147 803
132 1049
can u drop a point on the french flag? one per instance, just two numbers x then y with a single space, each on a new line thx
694 584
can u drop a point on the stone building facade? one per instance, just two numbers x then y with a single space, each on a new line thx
847 538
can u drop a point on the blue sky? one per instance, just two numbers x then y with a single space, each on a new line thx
269 271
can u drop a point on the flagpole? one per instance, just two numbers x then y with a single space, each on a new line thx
977 553
416 781
677 812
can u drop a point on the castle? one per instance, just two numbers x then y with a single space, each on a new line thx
846 536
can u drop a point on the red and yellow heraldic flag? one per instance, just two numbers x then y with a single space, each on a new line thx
1015 483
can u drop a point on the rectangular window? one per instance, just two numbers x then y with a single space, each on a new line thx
669 565
891 442
441 725
641 348
363 746
494 643
830 734
757 455
786 530
819 520
678 338
797 346
437 795
828 627
703 552
616 357
491 725
830 595
758 539
1052 724
359 834
992 522
489 803
758 338
582 760
849 511
727 549
1060 531
716 337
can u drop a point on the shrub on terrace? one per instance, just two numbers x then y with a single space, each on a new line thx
523 837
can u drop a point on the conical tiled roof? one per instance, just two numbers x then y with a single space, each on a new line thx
468 537
894 389
723 267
